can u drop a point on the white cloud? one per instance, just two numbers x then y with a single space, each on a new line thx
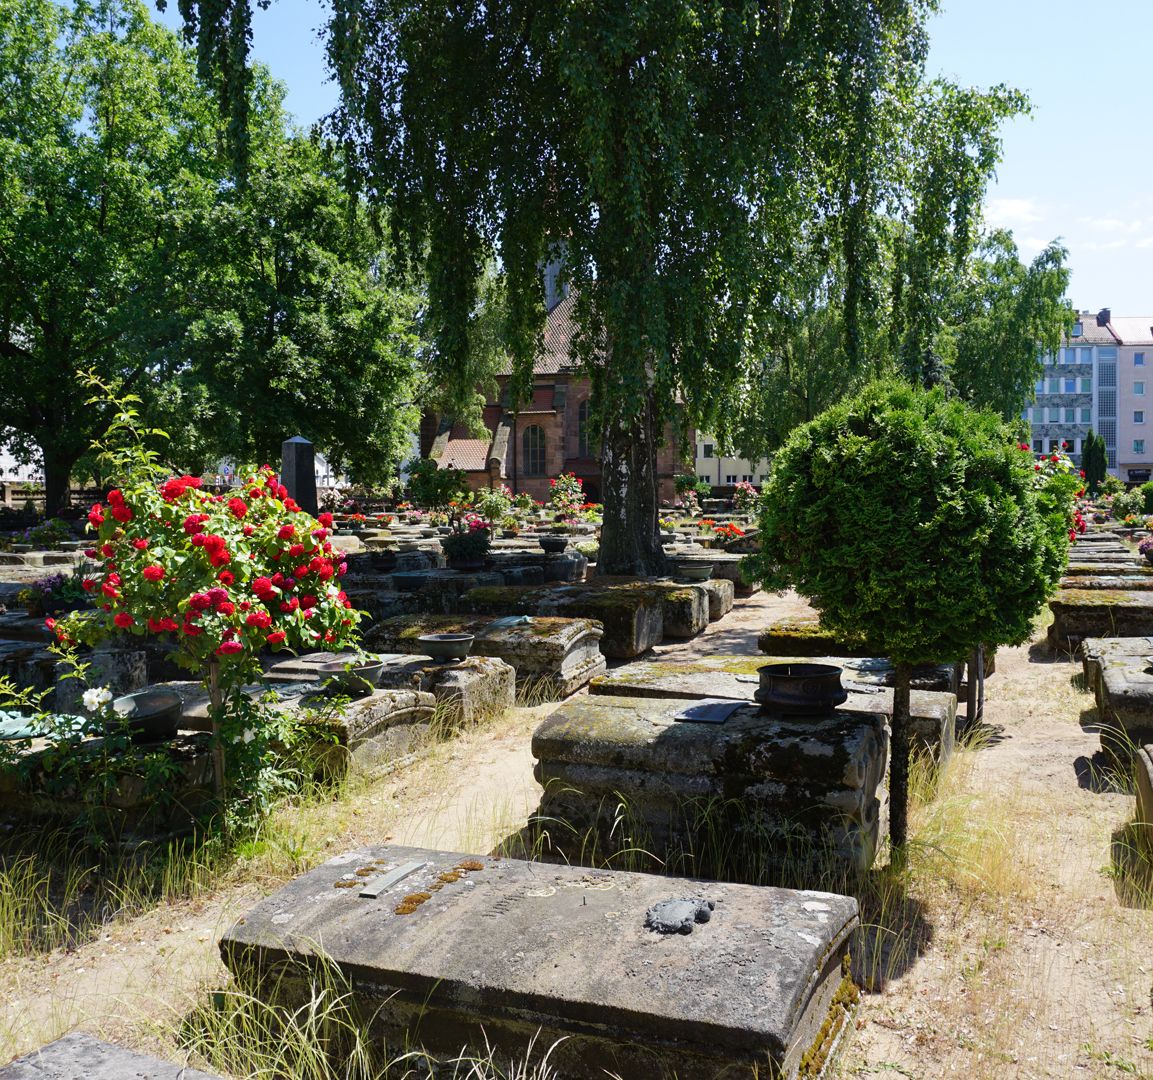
1012 213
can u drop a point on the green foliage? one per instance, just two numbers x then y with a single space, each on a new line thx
1006 315
1131 501
1094 462
1146 490
232 310
494 504
432 487
1111 485
911 522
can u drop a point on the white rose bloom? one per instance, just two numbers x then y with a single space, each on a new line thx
248 735
96 698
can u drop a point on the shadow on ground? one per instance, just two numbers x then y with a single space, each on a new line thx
1102 775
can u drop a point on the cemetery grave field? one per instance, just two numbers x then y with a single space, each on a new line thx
1017 948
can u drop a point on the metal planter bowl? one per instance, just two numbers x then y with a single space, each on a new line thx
446 646
153 715
800 689
694 569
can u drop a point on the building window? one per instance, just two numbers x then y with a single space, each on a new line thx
1138 359
748 479
1038 446
1078 328
1139 446
1138 416
1087 385
1086 416
1070 416
1139 389
1070 386
1054 386
704 479
533 443
1054 445
731 479
707 450
583 429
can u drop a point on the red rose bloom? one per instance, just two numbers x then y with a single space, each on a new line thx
199 602
227 608
95 516
229 648
140 544
123 620
116 497
325 520
286 532
307 602
276 637
226 577
248 530
259 618
198 540
122 513
190 630
153 572
172 489
238 507
220 558
107 550
296 551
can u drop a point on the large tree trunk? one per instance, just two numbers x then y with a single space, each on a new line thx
899 767
57 479
630 537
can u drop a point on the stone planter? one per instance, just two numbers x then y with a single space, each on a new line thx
553 545
694 569
465 566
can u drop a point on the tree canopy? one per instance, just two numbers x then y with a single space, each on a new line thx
916 525
240 314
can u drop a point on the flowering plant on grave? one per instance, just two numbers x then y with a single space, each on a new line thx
745 497
219 578
729 531
566 494
469 540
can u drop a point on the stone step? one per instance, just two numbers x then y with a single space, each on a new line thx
454 950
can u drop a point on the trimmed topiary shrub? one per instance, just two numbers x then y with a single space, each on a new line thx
918 525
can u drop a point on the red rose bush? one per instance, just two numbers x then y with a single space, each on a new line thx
219 577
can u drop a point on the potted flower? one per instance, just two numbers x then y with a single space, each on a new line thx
509 527
467 543
57 594
1146 548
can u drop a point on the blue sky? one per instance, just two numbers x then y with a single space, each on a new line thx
1076 169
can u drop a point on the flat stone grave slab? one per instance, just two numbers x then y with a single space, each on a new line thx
807 787
367 734
721 594
631 616
1141 582
684 606
726 567
1124 692
567 566
1094 650
471 691
934 714
83 1057
556 656
1127 567
1082 613
450 950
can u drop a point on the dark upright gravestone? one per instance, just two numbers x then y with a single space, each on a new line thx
298 470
